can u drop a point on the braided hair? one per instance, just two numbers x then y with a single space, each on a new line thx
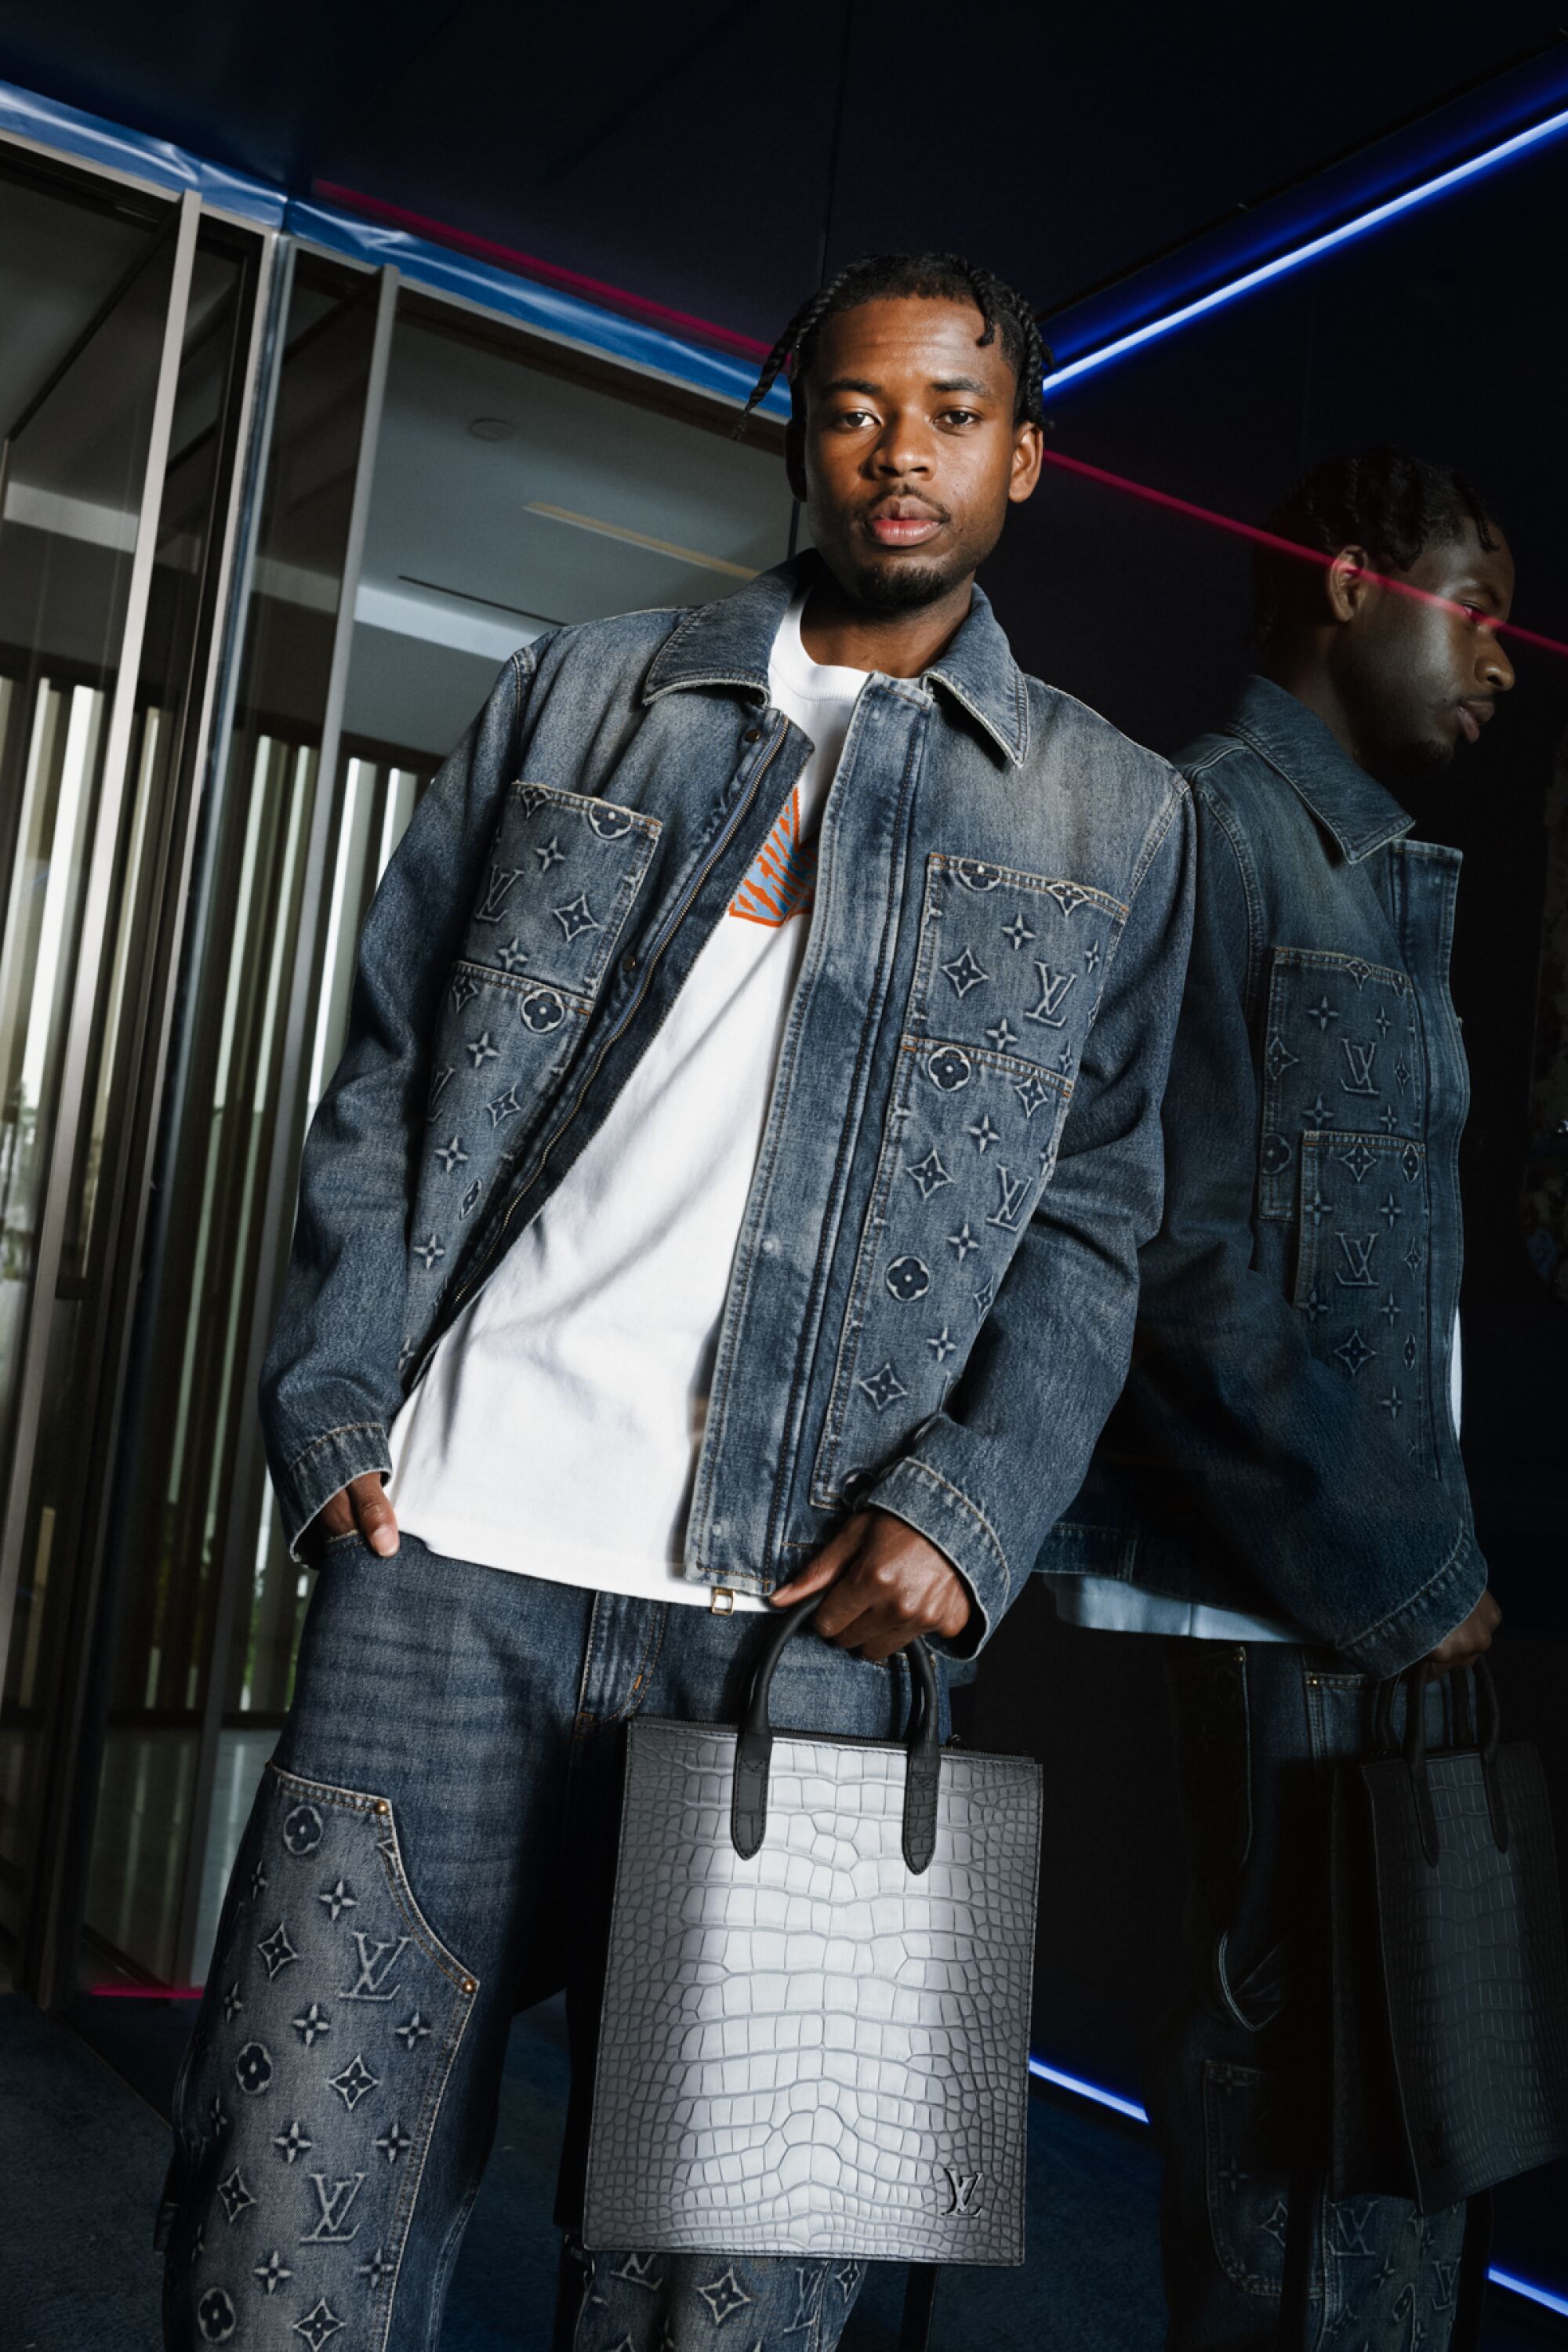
1384 500
930 277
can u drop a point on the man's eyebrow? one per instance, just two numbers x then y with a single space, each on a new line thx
937 383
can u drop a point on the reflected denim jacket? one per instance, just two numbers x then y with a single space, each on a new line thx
933 1295
1286 1444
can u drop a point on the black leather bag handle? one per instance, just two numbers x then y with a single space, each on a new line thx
1490 1736
755 1749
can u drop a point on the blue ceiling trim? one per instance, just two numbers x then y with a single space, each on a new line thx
156 162
443 270
159 163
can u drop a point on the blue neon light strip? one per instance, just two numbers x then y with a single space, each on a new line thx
1532 2294
1153 328
1082 2090
1544 2295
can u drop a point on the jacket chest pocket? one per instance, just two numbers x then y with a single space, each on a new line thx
1006 982
1362 1270
1342 1051
562 876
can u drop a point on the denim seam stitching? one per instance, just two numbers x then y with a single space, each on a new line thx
913 1462
344 1429
357 1800
1454 1562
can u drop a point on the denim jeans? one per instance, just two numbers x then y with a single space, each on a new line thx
432 1849
1236 2091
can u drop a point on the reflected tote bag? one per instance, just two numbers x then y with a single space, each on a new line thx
814 2031
1450 1985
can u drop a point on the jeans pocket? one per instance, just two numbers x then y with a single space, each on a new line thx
1247 2143
331 2024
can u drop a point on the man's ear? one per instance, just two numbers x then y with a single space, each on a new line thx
1346 582
794 456
1028 453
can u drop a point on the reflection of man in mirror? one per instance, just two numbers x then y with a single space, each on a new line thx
1288 1455
694 1222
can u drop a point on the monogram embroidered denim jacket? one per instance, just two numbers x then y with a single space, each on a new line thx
1286 1444
933 1295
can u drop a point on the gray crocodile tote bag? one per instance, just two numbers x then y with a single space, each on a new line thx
814 2031
1450 2056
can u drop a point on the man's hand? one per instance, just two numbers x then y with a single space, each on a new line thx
1470 1641
889 1587
361 1504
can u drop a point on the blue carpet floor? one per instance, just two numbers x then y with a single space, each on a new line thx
82 2154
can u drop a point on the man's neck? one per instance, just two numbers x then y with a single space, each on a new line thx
1310 682
840 634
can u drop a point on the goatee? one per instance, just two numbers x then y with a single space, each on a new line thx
886 589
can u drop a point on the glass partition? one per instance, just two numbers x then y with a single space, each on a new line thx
507 494
92 281
191 1440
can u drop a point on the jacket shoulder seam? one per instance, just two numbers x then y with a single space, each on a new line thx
1227 821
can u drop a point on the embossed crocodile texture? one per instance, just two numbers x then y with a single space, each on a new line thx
815 2050
1474 1975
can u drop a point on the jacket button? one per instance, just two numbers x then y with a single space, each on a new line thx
629 965
752 735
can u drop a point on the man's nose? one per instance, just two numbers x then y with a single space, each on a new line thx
903 448
1497 670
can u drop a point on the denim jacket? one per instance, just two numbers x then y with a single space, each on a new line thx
932 1301
1286 1444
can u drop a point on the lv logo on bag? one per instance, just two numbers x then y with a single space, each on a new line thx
960 2189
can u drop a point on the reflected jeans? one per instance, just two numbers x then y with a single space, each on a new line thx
1237 2087
432 1849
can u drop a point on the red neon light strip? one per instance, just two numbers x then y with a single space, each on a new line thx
144 1992
529 264
1270 539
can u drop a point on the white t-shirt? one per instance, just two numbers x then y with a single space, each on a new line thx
555 1430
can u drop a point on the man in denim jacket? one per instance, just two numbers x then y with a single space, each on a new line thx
657 1246
1281 1487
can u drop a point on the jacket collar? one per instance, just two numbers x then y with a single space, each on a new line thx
1349 804
729 644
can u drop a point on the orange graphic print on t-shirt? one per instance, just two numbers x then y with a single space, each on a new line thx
782 878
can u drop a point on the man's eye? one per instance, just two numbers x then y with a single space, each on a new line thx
959 416
853 416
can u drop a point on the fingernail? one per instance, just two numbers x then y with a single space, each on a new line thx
384 1541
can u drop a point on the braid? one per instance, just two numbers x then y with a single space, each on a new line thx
1382 498
931 276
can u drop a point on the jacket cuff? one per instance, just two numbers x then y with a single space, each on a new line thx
1407 1635
323 1470
931 1504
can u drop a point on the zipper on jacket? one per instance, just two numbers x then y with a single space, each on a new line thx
676 916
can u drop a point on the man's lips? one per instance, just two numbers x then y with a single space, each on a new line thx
903 524
1473 717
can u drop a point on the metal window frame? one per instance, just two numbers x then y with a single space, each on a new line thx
71 1084
52 1929
237 1543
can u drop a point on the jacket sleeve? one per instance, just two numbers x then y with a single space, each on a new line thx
1295 1478
330 1384
989 1475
